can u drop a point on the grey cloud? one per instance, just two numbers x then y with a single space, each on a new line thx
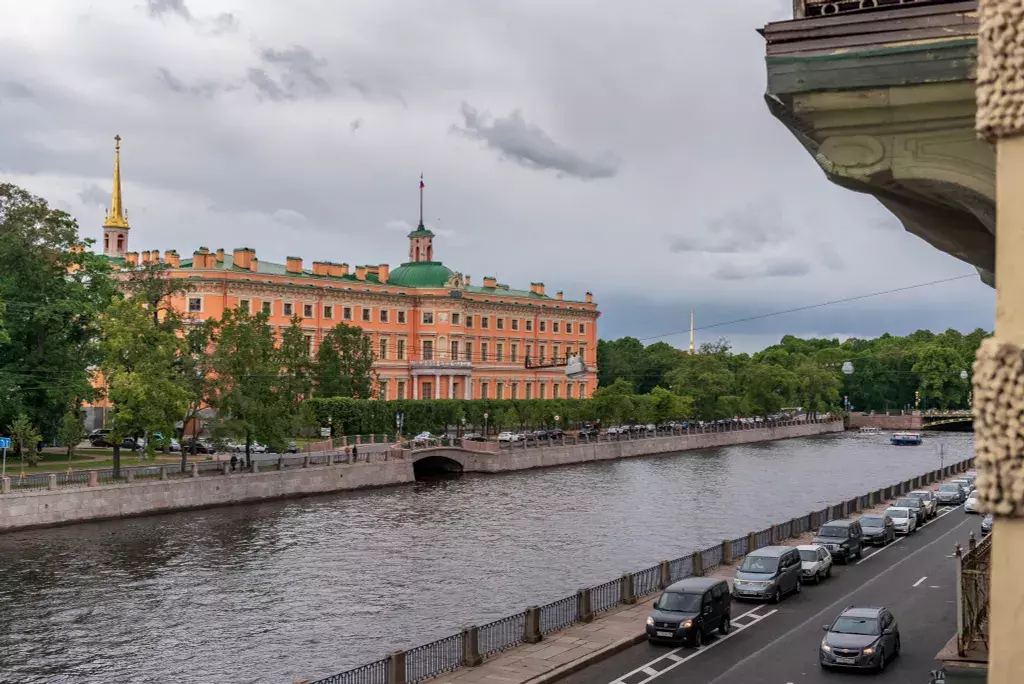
830 258
200 89
14 90
528 145
299 74
225 22
93 195
159 8
355 125
729 271
788 267
743 230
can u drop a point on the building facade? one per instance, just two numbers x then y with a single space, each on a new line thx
435 333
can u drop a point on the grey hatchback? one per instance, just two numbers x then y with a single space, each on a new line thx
864 638
768 574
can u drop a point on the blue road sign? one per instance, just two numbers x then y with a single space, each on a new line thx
5 442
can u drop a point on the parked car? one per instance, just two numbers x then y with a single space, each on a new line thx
474 437
950 494
914 504
927 500
509 437
971 505
965 485
768 574
292 448
860 638
689 610
201 447
986 524
588 433
97 438
556 433
878 529
423 436
903 519
842 538
815 562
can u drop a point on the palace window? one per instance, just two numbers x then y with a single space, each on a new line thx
543 391
428 350
554 326
554 390
529 352
515 324
401 389
428 390
529 325
483 390
515 390
195 304
568 328
383 315
400 351
307 310
543 350
583 390
309 342
455 318
120 243
455 350
346 313
500 323
554 352
328 311
543 326
483 352
529 386
428 318
485 321
499 352
401 317
382 390
288 309
499 390
367 315
243 305
468 351
469 321
582 328
513 353
568 391
382 353
268 308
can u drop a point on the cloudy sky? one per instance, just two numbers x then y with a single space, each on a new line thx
622 148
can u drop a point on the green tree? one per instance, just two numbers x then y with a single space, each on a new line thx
817 388
25 438
53 290
246 390
344 364
296 381
72 430
141 370
939 368
768 388
195 370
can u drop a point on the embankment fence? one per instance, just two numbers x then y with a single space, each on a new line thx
475 643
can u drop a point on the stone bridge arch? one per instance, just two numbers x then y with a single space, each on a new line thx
438 461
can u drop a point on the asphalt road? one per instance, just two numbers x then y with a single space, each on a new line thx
768 644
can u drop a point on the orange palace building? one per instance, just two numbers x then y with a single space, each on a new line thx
435 333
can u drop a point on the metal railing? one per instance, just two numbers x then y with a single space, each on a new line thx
448 653
972 588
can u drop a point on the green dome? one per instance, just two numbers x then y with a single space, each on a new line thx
420 274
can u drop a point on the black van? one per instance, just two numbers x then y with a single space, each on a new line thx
689 610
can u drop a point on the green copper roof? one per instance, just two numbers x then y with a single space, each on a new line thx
420 274
421 232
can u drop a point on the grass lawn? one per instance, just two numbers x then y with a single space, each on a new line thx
87 460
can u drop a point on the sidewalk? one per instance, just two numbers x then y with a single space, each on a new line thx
579 646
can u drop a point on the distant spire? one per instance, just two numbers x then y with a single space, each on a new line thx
692 351
116 215
421 202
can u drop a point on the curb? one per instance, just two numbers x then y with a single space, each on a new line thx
586 661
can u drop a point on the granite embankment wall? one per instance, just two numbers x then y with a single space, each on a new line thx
22 508
895 421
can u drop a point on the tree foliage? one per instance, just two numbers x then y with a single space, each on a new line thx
344 364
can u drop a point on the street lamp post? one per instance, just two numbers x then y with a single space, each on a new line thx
847 369
963 376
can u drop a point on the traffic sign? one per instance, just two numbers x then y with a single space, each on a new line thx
5 442
325 432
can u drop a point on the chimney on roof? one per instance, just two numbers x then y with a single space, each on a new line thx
293 264
321 268
360 273
344 269
589 298
242 257
254 265
537 289
220 255
131 258
383 270
172 259
334 270
145 257
490 281
558 295
466 279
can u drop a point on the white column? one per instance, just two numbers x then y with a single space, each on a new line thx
451 387
415 389
468 379
437 385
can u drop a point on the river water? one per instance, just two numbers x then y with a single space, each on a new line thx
306 588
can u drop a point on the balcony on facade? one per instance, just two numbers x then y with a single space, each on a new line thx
440 364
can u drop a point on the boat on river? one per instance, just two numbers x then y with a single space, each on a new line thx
870 431
905 438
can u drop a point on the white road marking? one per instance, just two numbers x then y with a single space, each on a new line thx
918 582
934 586
677 660
892 544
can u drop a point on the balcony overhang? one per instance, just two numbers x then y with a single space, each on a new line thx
883 100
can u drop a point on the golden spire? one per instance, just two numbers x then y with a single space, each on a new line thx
691 332
116 215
